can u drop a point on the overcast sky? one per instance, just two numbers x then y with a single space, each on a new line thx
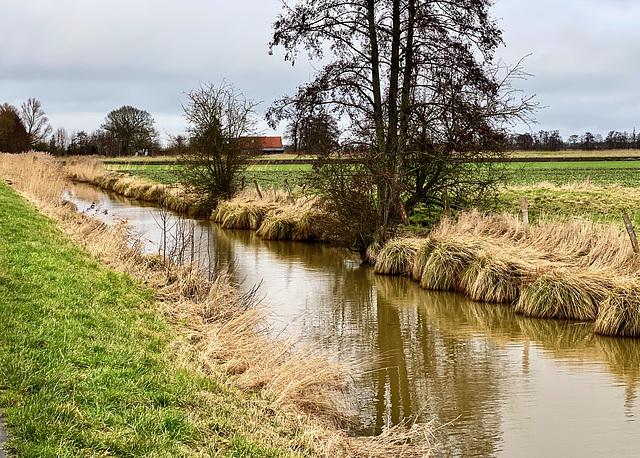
84 58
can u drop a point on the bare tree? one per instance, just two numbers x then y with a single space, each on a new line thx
132 127
218 118
35 121
416 80
59 142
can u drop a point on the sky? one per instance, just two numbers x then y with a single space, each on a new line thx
84 58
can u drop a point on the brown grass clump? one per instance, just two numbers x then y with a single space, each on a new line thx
422 256
496 275
397 256
247 210
566 294
301 221
620 311
443 270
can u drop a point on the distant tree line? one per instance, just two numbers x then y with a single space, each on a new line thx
126 131
552 141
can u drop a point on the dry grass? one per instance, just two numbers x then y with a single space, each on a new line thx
620 311
302 220
496 275
397 256
218 329
444 268
566 294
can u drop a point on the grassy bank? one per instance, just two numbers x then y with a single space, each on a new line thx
88 367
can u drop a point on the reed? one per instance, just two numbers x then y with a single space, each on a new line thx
397 256
444 268
620 311
565 293
422 256
302 220
495 275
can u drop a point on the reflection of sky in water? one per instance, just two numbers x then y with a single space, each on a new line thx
511 386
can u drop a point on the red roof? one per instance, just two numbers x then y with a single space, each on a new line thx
262 142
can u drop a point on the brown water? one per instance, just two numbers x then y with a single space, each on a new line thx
496 383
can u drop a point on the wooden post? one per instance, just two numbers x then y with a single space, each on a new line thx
525 213
242 184
257 188
286 183
587 180
632 233
445 198
403 213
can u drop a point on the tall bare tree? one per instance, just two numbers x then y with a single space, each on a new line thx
35 122
415 78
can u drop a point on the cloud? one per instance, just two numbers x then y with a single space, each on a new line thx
83 59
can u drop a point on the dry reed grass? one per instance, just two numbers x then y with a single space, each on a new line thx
620 311
218 328
397 256
302 220
421 257
566 294
172 197
447 262
496 275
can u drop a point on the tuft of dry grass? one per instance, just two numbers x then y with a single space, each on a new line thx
566 294
422 256
301 220
397 256
443 270
496 275
620 311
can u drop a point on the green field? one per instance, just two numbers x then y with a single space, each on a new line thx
604 201
604 173
269 176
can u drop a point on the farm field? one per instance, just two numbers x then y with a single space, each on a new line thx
551 188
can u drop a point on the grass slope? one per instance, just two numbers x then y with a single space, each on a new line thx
85 364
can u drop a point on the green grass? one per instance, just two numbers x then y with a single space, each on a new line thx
269 176
624 173
85 363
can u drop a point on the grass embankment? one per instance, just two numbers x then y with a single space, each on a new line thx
87 366
152 361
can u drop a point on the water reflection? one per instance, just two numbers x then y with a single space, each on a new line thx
509 385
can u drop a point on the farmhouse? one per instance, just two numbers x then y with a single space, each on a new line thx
264 145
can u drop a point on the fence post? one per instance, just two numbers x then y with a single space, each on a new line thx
587 180
286 183
257 188
632 232
524 206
